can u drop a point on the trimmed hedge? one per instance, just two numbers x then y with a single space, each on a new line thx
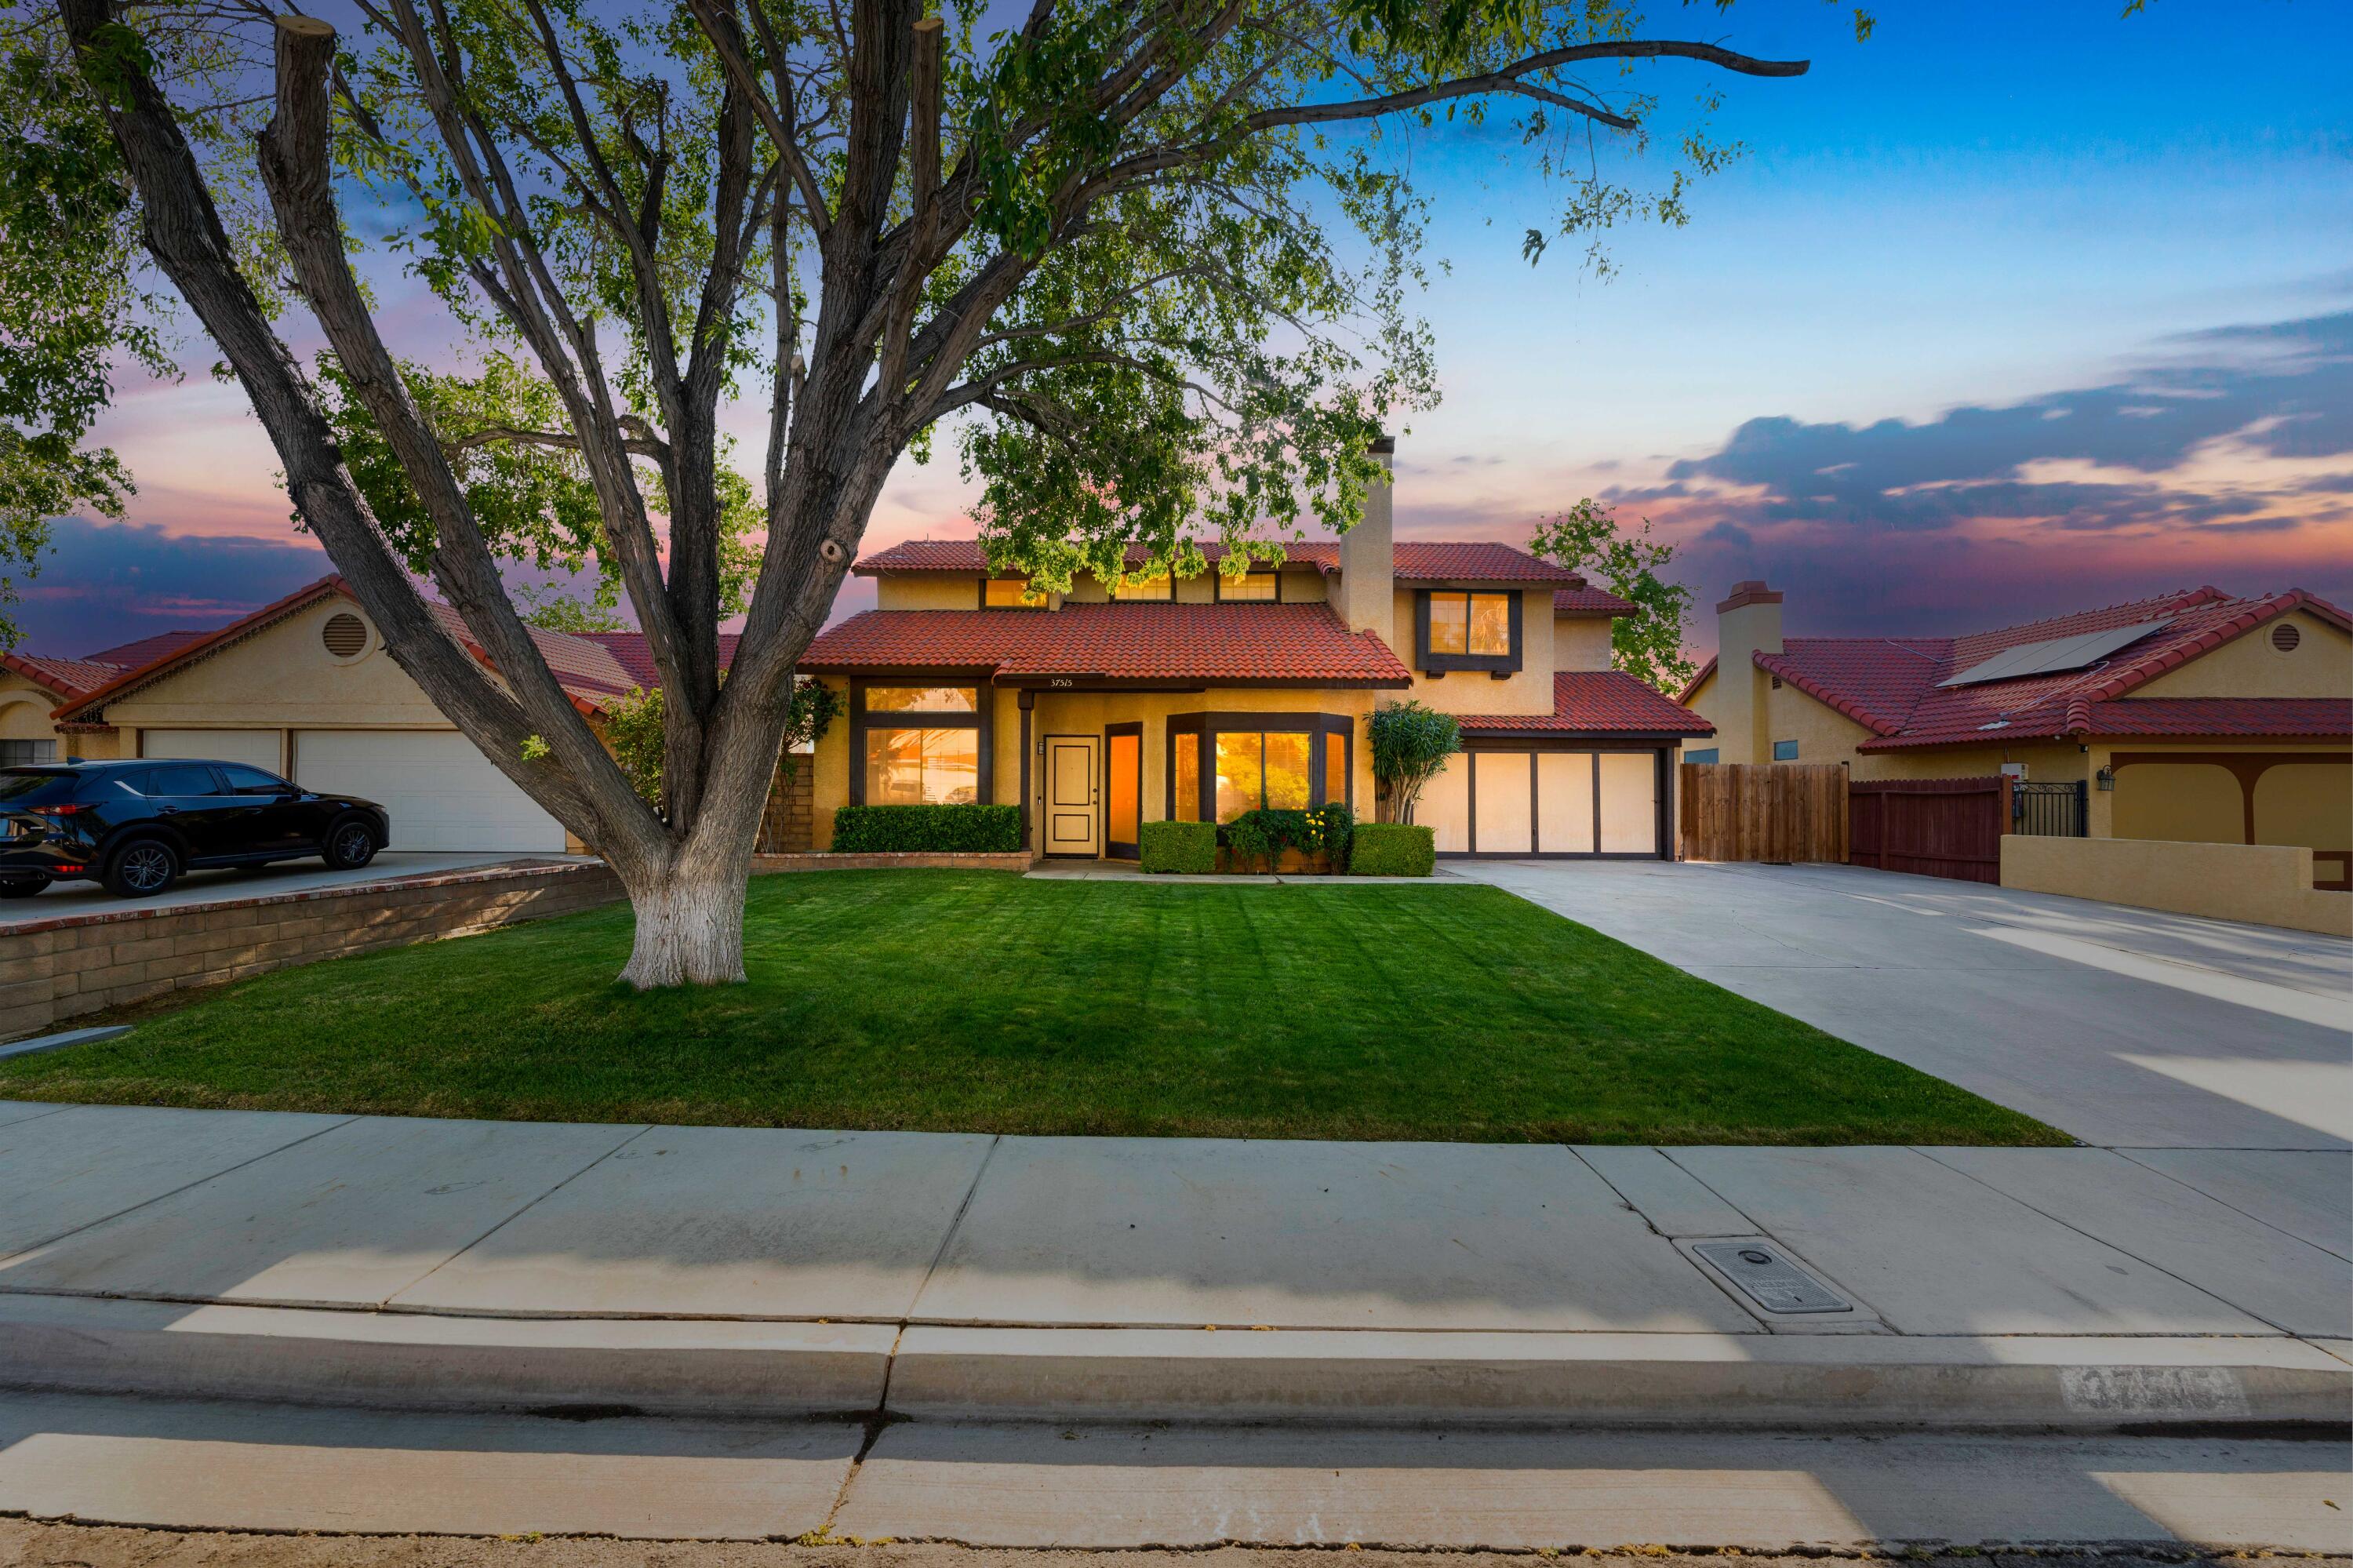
1394 849
1187 847
927 830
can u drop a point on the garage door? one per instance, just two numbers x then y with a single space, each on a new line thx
256 746
443 793
1543 802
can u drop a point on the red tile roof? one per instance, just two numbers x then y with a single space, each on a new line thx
1417 560
588 672
1588 601
1597 701
67 677
1305 644
146 650
2282 718
630 650
1892 687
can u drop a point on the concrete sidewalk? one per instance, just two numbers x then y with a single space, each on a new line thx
489 1264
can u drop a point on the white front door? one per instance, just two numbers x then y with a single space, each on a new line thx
443 793
1073 815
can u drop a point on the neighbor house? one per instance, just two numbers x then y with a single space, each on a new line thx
2194 716
1102 708
304 688
31 689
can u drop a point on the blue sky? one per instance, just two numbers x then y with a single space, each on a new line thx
2013 308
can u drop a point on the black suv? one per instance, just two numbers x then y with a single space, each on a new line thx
136 826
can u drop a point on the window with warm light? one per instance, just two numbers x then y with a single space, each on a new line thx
1257 588
918 746
923 699
1009 593
1285 762
1160 588
1468 629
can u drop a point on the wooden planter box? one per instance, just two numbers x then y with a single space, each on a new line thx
1290 861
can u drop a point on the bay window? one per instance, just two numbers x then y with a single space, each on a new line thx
1222 764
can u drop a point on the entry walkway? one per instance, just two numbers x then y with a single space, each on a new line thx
2125 1027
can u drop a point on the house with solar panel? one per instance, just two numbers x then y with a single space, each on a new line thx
1116 703
2192 717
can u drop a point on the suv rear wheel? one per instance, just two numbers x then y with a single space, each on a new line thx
350 844
141 868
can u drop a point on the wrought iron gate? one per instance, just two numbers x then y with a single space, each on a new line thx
2049 811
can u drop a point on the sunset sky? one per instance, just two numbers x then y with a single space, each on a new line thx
2015 308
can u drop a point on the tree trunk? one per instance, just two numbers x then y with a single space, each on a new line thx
689 927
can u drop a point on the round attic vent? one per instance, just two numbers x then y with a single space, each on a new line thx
2285 636
345 635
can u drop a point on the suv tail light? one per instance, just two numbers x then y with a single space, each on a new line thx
66 808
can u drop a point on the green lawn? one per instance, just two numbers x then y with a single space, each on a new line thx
977 1002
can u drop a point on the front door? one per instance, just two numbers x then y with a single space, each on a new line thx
1073 806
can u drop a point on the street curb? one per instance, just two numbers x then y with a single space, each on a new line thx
415 1360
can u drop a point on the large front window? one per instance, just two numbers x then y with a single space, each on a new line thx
919 746
921 767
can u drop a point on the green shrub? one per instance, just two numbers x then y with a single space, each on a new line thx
926 830
1394 849
1190 848
1263 835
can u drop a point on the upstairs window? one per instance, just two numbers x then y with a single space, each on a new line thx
1160 589
1257 588
1009 593
1467 629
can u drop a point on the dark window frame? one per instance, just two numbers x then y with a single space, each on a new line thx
980 594
1204 727
1781 756
1274 572
1497 664
982 717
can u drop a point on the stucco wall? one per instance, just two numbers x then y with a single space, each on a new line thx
2265 884
1527 690
284 677
2303 803
926 591
2321 665
25 711
1581 642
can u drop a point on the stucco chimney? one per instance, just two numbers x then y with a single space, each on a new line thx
1369 556
1748 622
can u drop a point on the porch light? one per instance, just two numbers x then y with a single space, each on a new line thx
2106 778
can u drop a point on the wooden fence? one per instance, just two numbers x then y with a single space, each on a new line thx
1930 827
1781 811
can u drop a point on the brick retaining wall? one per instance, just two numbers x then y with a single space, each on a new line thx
51 971
1015 859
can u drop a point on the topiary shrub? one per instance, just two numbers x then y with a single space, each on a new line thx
1188 848
1394 849
927 830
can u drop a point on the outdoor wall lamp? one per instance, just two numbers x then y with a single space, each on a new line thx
2106 778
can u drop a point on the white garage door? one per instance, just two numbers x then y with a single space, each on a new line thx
256 746
1513 802
443 793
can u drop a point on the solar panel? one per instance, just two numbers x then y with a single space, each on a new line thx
2054 656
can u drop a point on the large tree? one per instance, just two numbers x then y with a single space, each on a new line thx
1147 261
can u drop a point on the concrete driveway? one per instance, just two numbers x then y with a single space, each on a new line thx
63 899
2126 1027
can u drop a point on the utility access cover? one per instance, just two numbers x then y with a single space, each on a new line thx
1770 1281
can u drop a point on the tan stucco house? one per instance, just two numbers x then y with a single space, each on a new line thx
304 688
1112 706
2196 716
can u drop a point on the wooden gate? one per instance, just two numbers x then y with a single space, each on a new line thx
1780 812
1930 827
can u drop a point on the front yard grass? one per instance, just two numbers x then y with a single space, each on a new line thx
977 1002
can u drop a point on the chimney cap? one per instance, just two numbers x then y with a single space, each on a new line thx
1744 594
1383 446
